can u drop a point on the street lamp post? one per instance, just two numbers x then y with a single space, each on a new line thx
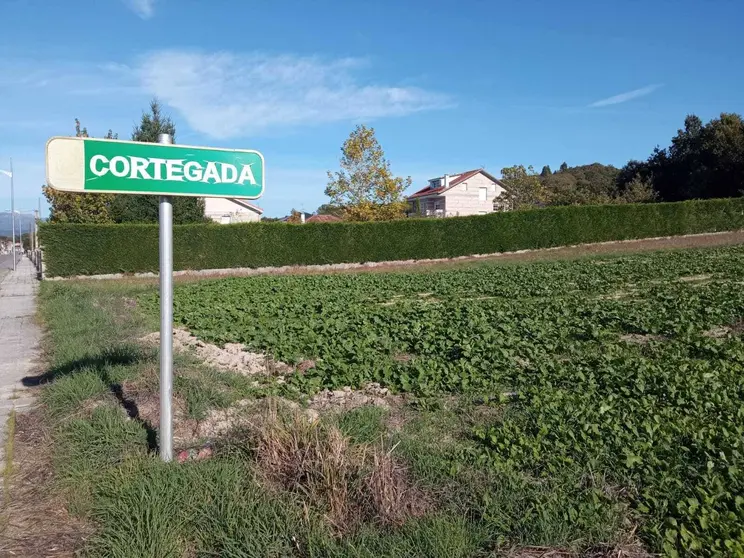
9 174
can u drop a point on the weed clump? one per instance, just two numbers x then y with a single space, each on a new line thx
351 483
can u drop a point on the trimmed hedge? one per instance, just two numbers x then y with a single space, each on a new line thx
95 249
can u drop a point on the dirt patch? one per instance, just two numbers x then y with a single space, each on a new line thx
243 413
35 522
403 357
618 295
221 421
347 398
702 278
642 339
142 404
232 357
720 332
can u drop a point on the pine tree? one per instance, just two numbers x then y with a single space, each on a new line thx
145 208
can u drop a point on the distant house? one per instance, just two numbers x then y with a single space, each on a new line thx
451 195
302 216
230 210
323 219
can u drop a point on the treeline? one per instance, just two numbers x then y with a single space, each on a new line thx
703 161
66 207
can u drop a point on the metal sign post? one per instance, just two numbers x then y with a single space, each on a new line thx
88 165
166 321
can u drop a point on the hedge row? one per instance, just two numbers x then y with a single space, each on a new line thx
94 249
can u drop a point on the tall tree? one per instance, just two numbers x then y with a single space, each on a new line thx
329 209
145 208
522 188
595 183
153 124
294 216
546 171
365 186
703 161
636 191
68 207
564 167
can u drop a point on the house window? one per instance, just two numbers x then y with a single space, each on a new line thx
482 193
225 220
438 205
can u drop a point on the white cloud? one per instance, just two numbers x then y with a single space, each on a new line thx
233 95
143 8
624 97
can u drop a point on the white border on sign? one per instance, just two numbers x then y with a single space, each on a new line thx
178 146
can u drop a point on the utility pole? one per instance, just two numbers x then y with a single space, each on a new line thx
12 212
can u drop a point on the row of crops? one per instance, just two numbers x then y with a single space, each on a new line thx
630 367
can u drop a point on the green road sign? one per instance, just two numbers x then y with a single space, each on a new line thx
128 167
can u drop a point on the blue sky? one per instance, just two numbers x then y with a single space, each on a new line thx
448 86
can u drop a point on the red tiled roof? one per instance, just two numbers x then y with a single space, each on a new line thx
425 192
323 219
462 177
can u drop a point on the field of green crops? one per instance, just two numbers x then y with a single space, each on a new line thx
628 368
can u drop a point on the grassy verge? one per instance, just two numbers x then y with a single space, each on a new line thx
559 406
8 455
7 470
105 464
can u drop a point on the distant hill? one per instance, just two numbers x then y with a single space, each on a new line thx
25 219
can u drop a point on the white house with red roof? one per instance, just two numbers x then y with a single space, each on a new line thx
452 195
230 210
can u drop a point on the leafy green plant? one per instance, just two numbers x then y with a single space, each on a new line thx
627 368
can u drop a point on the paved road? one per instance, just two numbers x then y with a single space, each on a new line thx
6 263
19 340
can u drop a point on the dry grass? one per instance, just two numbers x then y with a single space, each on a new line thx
38 523
8 452
353 483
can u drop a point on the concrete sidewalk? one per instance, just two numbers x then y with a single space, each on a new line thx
19 340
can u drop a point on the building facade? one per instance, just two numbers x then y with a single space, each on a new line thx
229 210
468 193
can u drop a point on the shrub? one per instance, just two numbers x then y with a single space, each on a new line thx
93 249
